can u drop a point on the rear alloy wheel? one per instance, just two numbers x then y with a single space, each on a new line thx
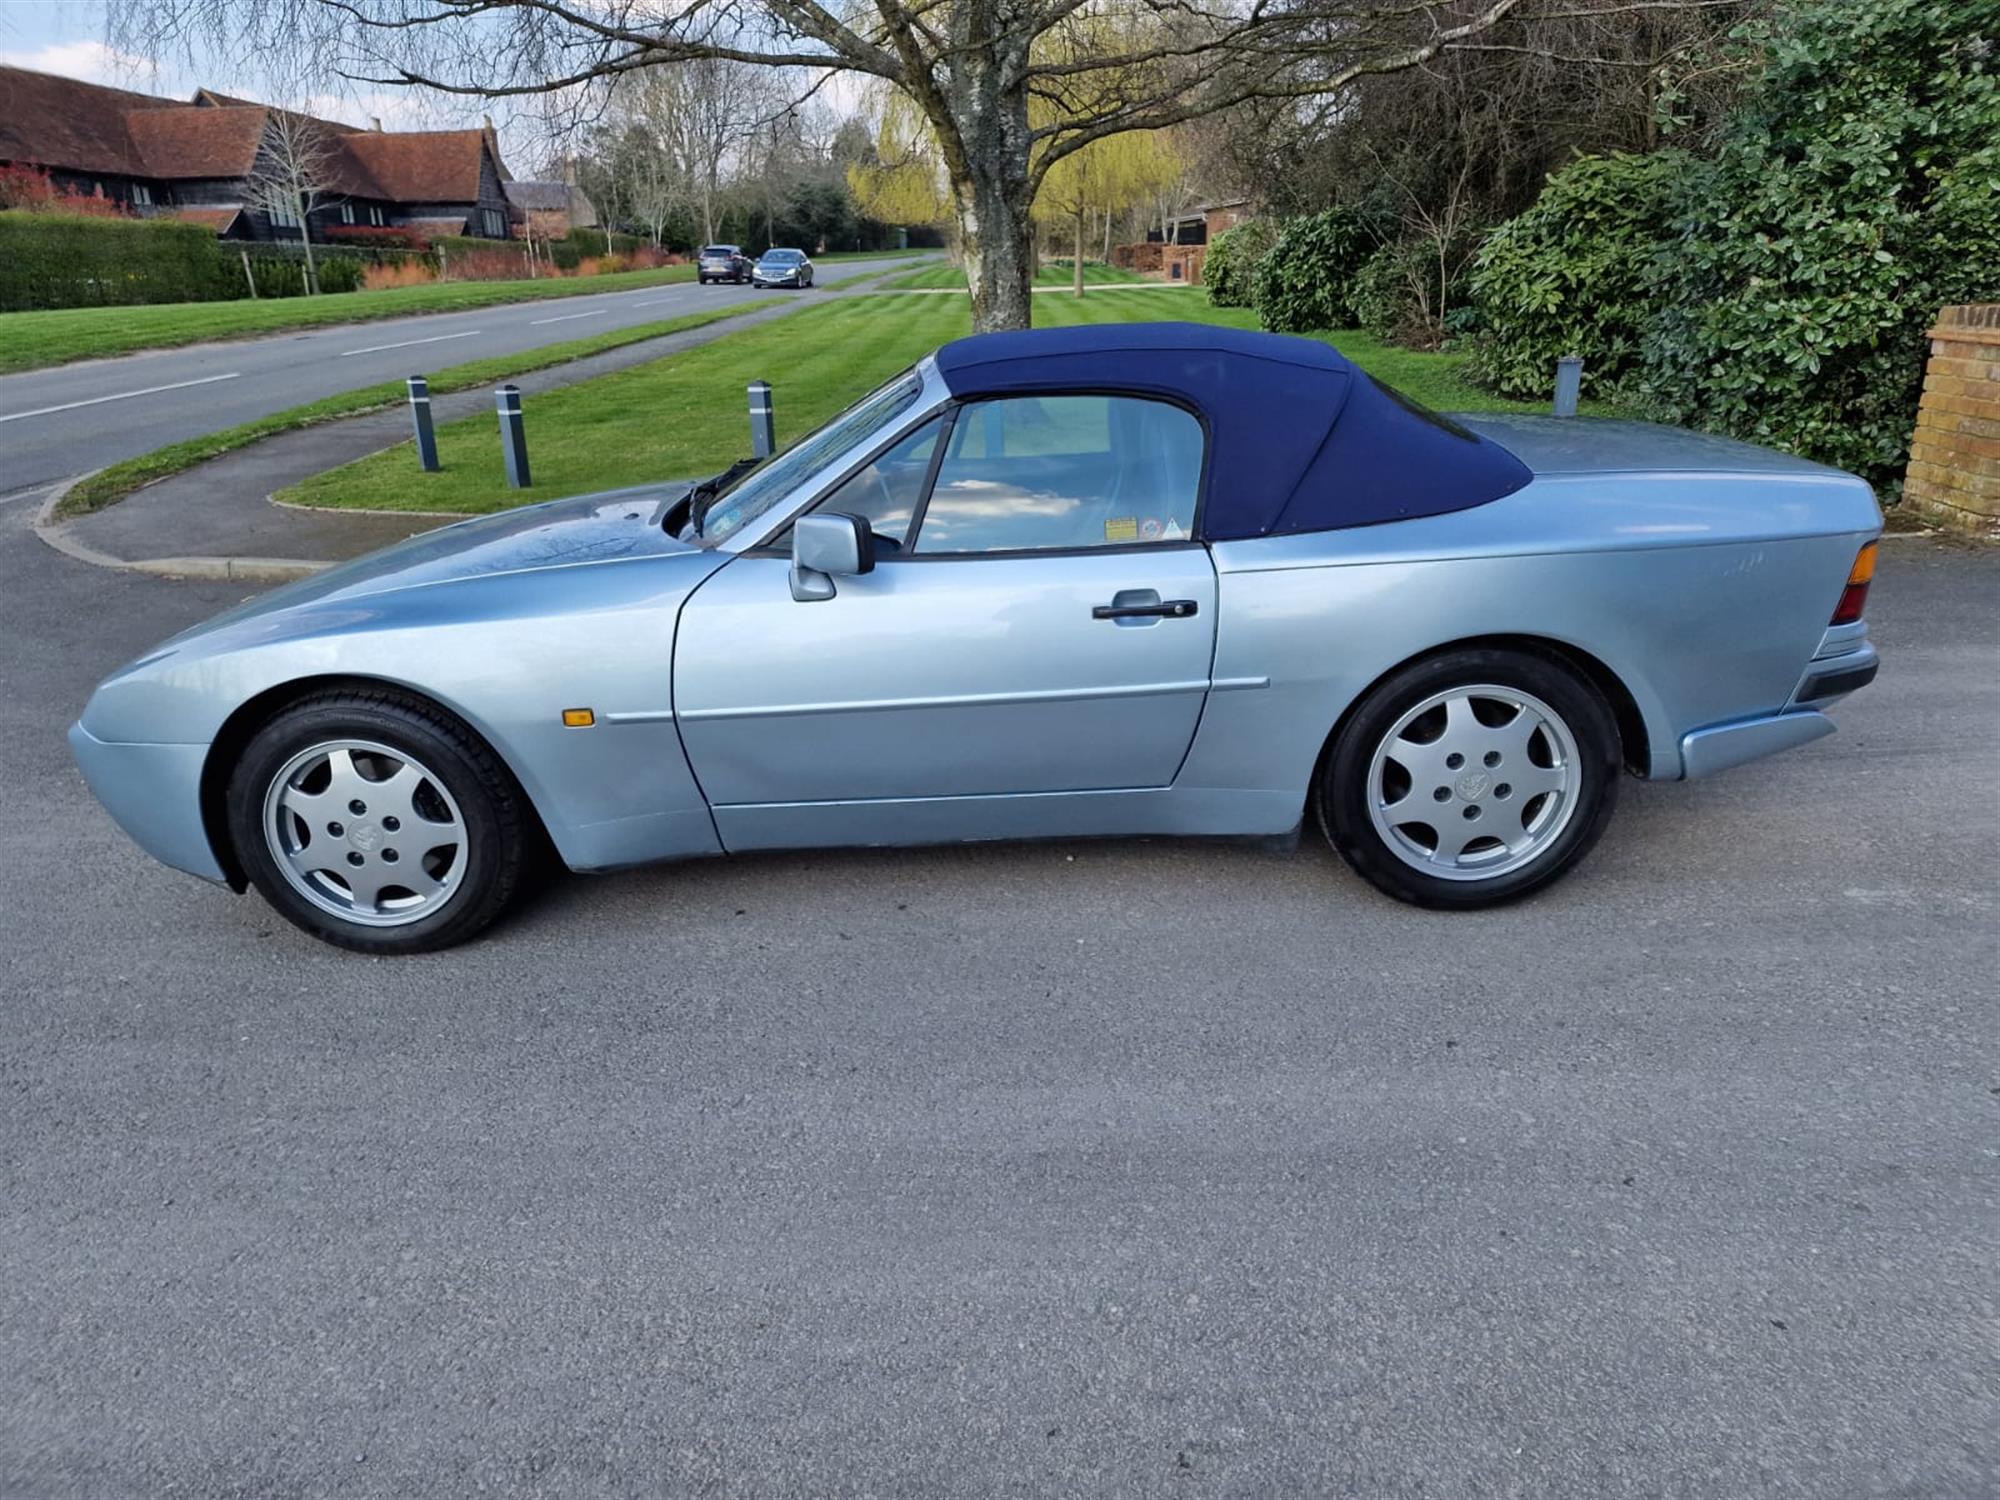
375 822
1472 778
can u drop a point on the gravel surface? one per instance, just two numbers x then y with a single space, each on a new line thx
1106 1168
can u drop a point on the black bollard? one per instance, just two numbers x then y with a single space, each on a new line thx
763 423
513 436
420 418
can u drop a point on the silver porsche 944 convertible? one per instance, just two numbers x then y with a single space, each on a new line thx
1151 579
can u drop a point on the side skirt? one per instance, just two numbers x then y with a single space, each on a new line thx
949 820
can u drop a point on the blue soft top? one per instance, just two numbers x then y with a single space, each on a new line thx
1299 438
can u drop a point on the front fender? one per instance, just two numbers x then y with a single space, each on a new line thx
506 653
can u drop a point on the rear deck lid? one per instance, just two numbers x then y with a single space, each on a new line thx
1596 445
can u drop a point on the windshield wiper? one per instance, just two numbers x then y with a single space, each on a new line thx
702 496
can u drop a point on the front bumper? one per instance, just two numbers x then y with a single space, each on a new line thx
153 792
776 280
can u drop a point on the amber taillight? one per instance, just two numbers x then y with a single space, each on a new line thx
1854 598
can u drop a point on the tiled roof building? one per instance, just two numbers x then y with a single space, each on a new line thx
196 159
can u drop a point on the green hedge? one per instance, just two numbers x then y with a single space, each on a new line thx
67 260
1855 192
1577 273
1305 281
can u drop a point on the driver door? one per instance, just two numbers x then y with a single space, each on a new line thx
1040 621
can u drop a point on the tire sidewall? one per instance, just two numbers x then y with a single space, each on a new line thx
1344 783
491 865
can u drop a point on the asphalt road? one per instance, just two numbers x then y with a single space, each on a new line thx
72 418
1112 1168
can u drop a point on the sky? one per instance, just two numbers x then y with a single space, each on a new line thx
68 37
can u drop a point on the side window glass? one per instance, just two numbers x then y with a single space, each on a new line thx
1048 472
885 492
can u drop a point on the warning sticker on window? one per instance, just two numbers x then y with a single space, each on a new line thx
1122 529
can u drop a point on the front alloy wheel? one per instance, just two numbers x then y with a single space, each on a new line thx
375 821
366 833
1472 777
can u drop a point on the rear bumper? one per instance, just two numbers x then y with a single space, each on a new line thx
1846 663
1722 746
1830 677
153 792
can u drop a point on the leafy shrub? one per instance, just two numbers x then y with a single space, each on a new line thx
70 260
1403 294
1575 273
1230 269
1384 299
339 273
1852 195
1305 280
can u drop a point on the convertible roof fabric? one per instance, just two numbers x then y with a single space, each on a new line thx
1299 438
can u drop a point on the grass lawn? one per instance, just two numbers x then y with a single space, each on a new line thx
30 340
684 415
945 275
118 480
839 255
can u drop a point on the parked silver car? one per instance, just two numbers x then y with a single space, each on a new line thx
1137 579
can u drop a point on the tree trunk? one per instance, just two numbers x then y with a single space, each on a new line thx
982 115
1078 267
999 245
306 239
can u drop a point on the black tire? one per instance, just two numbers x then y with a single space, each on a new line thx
498 824
1344 791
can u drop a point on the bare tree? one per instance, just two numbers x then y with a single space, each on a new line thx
293 175
1090 68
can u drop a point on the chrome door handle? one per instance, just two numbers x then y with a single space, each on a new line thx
1167 609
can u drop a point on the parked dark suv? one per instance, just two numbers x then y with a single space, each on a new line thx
722 263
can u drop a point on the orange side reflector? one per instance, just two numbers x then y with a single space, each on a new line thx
1864 566
579 718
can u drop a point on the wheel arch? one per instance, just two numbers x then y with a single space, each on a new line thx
1634 746
259 709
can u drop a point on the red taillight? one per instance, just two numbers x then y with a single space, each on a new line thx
1854 598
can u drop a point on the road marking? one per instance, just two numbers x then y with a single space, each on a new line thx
569 317
410 343
151 390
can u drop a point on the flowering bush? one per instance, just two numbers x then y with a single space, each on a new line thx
385 274
30 188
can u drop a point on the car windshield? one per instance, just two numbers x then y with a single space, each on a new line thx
718 249
782 257
764 486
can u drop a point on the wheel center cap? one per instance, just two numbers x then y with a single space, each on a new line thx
364 836
1472 785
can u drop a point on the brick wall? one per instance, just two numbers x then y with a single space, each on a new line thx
1954 474
1183 262
1168 262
